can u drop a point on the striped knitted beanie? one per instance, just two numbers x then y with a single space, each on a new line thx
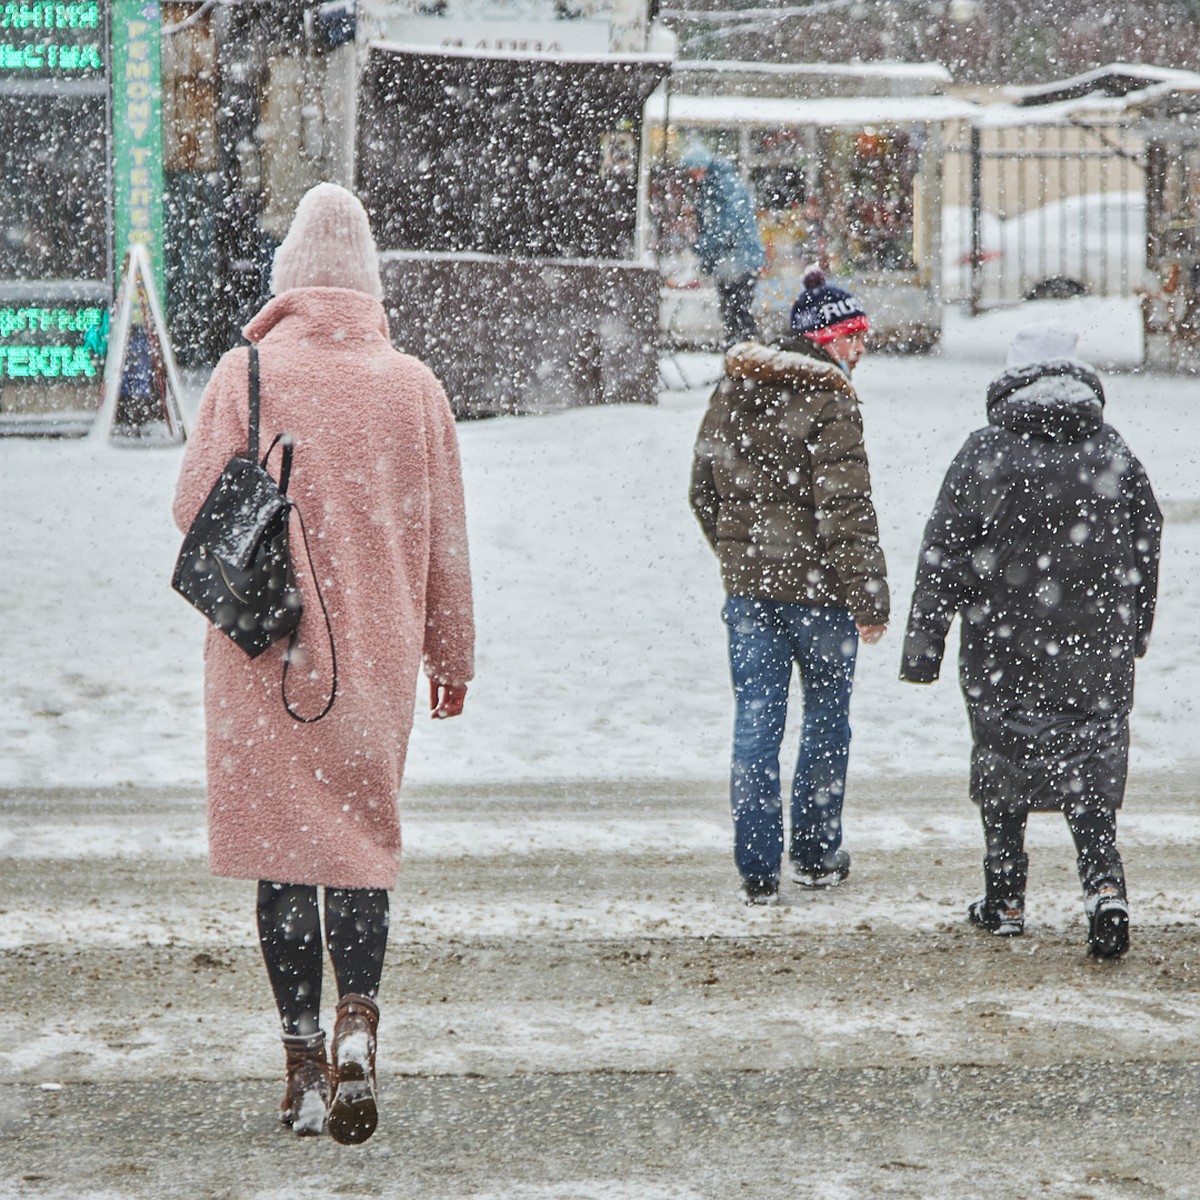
824 312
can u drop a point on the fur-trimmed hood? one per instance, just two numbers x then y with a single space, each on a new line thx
795 362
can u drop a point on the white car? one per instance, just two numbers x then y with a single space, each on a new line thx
1093 244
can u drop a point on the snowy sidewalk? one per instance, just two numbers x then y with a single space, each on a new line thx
601 650
576 1007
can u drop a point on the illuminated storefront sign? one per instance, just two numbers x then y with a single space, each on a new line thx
51 40
56 213
50 343
137 131
50 16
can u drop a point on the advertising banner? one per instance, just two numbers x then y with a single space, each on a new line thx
137 131
55 273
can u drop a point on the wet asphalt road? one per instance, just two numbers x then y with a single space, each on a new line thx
562 1023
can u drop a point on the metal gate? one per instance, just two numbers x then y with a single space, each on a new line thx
1043 211
1171 310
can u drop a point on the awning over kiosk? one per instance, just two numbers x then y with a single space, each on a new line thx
505 153
788 113
503 191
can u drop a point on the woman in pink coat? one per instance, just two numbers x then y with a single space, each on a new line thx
377 479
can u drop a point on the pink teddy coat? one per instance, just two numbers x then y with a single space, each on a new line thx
377 479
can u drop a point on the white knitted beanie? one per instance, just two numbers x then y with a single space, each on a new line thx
329 244
1042 342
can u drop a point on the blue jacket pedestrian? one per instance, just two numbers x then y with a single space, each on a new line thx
727 244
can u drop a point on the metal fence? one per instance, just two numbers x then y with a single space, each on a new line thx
1043 211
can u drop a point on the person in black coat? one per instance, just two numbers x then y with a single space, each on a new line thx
1045 540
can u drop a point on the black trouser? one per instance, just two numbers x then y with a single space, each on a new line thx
736 297
1006 865
289 931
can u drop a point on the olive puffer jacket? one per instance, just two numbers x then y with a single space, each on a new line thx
780 483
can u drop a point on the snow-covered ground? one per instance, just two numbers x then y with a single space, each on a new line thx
601 651
578 1008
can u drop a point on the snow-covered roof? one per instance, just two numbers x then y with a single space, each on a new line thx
378 14
1099 106
836 111
477 256
1113 80
1166 98
1064 112
930 72
463 52
809 81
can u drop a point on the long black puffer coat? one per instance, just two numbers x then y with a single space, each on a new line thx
1045 539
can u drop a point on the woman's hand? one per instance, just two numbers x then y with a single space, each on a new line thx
446 699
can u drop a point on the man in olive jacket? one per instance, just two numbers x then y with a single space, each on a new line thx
781 488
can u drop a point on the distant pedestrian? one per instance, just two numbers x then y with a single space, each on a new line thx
781 488
1045 540
377 480
728 243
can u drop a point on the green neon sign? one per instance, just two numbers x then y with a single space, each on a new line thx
46 362
32 345
64 59
42 320
45 15
46 40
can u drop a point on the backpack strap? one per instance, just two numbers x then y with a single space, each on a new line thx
252 452
285 472
285 464
287 658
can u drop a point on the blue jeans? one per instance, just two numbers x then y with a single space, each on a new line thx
765 638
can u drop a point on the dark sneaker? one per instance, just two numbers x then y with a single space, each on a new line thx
826 874
1108 924
1004 918
760 891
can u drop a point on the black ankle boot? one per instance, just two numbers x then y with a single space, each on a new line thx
1108 922
1005 918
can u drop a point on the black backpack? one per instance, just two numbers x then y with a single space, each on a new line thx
235 564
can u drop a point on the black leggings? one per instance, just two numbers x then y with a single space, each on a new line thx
736 298
1093 828
289 931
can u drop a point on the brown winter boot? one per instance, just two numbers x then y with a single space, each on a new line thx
353 1114
307 1098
